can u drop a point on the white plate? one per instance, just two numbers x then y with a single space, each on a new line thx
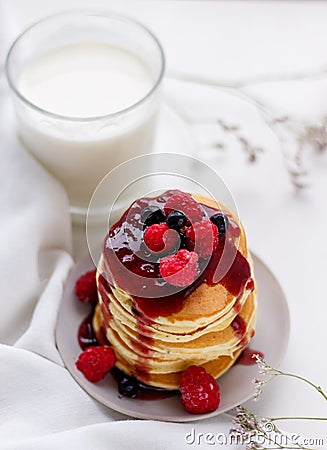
271 338
173 134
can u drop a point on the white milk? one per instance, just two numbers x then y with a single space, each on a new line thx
86 81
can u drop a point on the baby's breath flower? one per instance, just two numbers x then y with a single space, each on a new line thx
264 368
259 433
259 385
294 136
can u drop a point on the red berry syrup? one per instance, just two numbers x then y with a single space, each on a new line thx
247 357
156 297
86 335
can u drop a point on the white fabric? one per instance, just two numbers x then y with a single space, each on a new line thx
41 406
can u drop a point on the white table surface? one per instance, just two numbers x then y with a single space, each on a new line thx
235 41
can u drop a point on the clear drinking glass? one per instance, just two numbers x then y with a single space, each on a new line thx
80 151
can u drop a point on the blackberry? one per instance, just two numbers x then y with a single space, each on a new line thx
176 220
151 215
221 221
183 243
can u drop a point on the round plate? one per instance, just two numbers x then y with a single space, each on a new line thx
271 338
173 134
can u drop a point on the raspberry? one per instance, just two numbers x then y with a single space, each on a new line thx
159 237
179 269
185 203
202 237
86 288
200 391
95 362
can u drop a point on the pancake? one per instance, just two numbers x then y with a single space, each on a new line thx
156 339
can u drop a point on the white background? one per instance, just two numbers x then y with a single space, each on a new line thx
230 41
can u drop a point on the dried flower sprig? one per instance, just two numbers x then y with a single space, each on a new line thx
249 149
293 136
266 369
261 433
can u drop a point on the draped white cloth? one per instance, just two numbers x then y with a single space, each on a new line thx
41 406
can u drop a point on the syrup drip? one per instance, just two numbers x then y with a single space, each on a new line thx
246 358
86 335
87 338
250 285
239 327
237 307
142 346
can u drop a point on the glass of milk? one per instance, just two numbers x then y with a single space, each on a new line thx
86 90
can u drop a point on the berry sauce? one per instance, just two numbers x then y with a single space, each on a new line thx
247 358
86 334
238 306
125 257
87 338
239 326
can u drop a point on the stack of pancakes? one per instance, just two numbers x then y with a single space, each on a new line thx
211 328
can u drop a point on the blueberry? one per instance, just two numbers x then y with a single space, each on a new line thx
176 220
128 387
151 215
221 221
